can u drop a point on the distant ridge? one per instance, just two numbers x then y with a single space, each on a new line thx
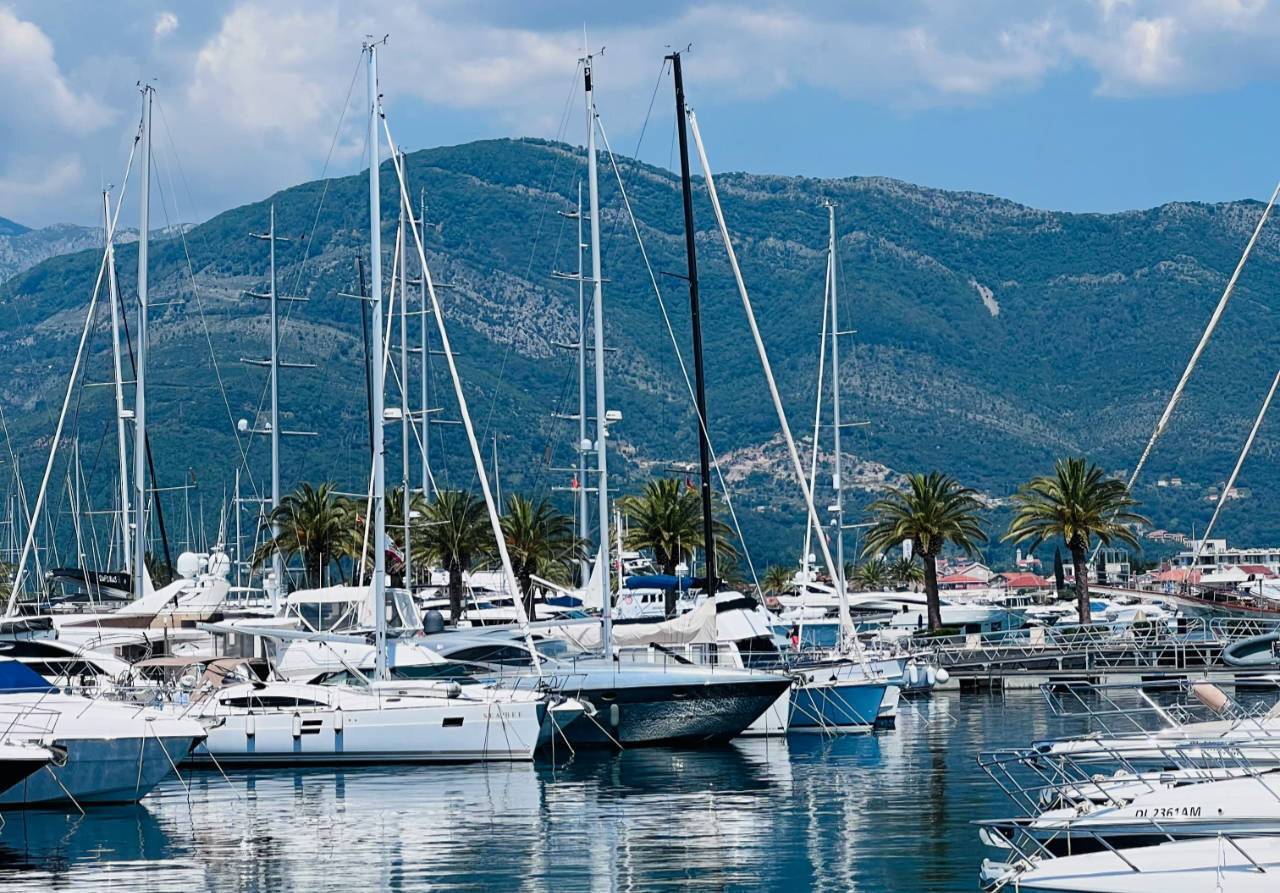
991 337
11 228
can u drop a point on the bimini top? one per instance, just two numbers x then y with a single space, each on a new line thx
17 676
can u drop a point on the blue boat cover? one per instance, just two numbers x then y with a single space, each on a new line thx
17 676
659 581
565 601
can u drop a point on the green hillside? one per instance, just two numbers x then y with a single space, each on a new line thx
991 337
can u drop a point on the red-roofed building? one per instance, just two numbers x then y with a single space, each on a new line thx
1020 580
1258 571
961 581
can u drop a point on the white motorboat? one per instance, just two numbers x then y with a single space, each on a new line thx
1223 864
1146 811
114 752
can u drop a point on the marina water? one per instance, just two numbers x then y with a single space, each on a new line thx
889 811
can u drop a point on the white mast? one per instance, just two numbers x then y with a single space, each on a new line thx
375 298
805 560
404 392
846 624
597 309
482 476
277 566
427 487
122 441
140 376
584 523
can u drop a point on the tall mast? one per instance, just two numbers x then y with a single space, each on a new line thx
836 482
404 392
423 360
597 309
379 457
140 374
584 522
122 440
695 324
277 566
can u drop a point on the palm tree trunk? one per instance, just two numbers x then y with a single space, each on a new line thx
931 591
455 592
1081 563
526 593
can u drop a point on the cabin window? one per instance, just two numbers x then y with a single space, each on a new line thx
253 702
507 655
451 722
758 651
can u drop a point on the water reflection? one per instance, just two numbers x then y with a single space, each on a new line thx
876 812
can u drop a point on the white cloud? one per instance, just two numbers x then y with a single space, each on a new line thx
34 88
166 24
40 114
252 89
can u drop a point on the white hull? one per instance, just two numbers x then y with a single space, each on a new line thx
282 724
1211 865
116 753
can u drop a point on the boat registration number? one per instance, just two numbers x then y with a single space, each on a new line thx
1168 812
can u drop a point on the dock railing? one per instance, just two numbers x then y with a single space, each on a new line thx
1165 645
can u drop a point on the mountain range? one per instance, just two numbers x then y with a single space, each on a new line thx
990 338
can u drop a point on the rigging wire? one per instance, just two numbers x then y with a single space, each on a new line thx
653 280
537 237
195 292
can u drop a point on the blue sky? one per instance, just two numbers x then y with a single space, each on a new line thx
1066 104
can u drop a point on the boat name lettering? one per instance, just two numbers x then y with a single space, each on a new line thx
1168 812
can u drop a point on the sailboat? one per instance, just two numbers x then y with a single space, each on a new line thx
629 704
374 718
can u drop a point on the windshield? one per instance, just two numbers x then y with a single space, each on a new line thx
558 649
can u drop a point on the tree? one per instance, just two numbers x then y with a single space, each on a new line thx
666 518
539 538
776 579
1059 573
906 571
871 575
1079 504
930 511
455 533
316 523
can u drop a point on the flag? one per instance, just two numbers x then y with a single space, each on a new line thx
688 482
393 552
575 482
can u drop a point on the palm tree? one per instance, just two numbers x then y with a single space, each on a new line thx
314 522
666 517
455 533
906 571
871 575
1078 503
776 579
931 511
539 537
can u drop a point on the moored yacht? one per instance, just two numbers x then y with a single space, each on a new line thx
114 752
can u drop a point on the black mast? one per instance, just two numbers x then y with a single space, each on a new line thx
695 320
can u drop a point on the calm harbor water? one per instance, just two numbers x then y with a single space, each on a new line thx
884 812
